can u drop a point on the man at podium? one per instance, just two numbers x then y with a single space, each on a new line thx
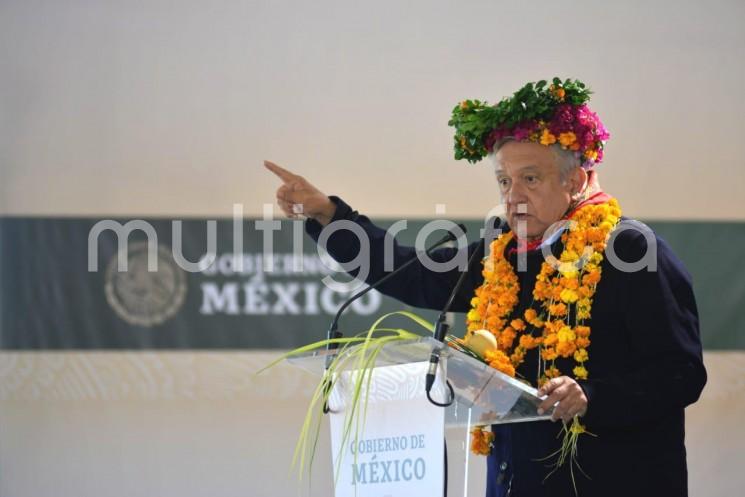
587 305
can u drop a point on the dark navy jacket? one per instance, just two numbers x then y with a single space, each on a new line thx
645 366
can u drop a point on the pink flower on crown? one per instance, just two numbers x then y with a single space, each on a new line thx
580 120
523 130
493 137
601 132
564 114
585 116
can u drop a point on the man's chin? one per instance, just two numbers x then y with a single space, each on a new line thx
525 228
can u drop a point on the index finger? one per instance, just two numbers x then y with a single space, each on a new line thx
549 402
281 172
549 386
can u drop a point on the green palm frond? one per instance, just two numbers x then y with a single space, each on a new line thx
358 355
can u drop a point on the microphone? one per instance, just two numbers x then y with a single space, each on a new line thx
442 327
334 332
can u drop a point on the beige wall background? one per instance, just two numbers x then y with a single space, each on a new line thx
153 108
190 424
156 107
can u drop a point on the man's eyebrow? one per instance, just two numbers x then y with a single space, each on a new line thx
530 168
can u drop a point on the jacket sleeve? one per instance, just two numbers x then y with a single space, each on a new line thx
665 366
417 285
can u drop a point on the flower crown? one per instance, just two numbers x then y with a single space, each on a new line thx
556 113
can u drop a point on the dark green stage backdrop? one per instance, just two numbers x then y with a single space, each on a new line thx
50 300
712 252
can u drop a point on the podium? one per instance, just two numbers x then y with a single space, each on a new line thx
396 425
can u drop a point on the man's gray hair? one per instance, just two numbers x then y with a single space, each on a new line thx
567 160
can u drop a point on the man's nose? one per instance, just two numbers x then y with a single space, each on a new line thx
515 195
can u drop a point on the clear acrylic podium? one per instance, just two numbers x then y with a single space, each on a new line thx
483 396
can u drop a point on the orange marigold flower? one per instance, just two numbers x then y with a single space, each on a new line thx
550 340
540 291
527 342
558 92
559 309
518 324
517 357
507 300
595 235
567 138
553 372
582 331
547 269
549 354
585 291
556 292
537 322
493 322
530 314
569 283
591 154
505 341
547 138
554 325
591 278
565 349
504 365
481 441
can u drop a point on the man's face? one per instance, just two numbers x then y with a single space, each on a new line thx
531 187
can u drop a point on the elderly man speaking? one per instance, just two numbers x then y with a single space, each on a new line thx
613 345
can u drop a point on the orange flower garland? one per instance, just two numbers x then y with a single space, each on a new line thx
563 292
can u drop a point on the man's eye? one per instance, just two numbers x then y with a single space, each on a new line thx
503 182
531 179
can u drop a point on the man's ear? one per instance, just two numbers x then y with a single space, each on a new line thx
578 180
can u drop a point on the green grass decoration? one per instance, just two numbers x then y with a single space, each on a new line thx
567 452
359 354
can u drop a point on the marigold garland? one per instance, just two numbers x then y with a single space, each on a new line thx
481 441
562 299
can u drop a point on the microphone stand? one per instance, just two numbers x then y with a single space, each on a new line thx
442 327
334 333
